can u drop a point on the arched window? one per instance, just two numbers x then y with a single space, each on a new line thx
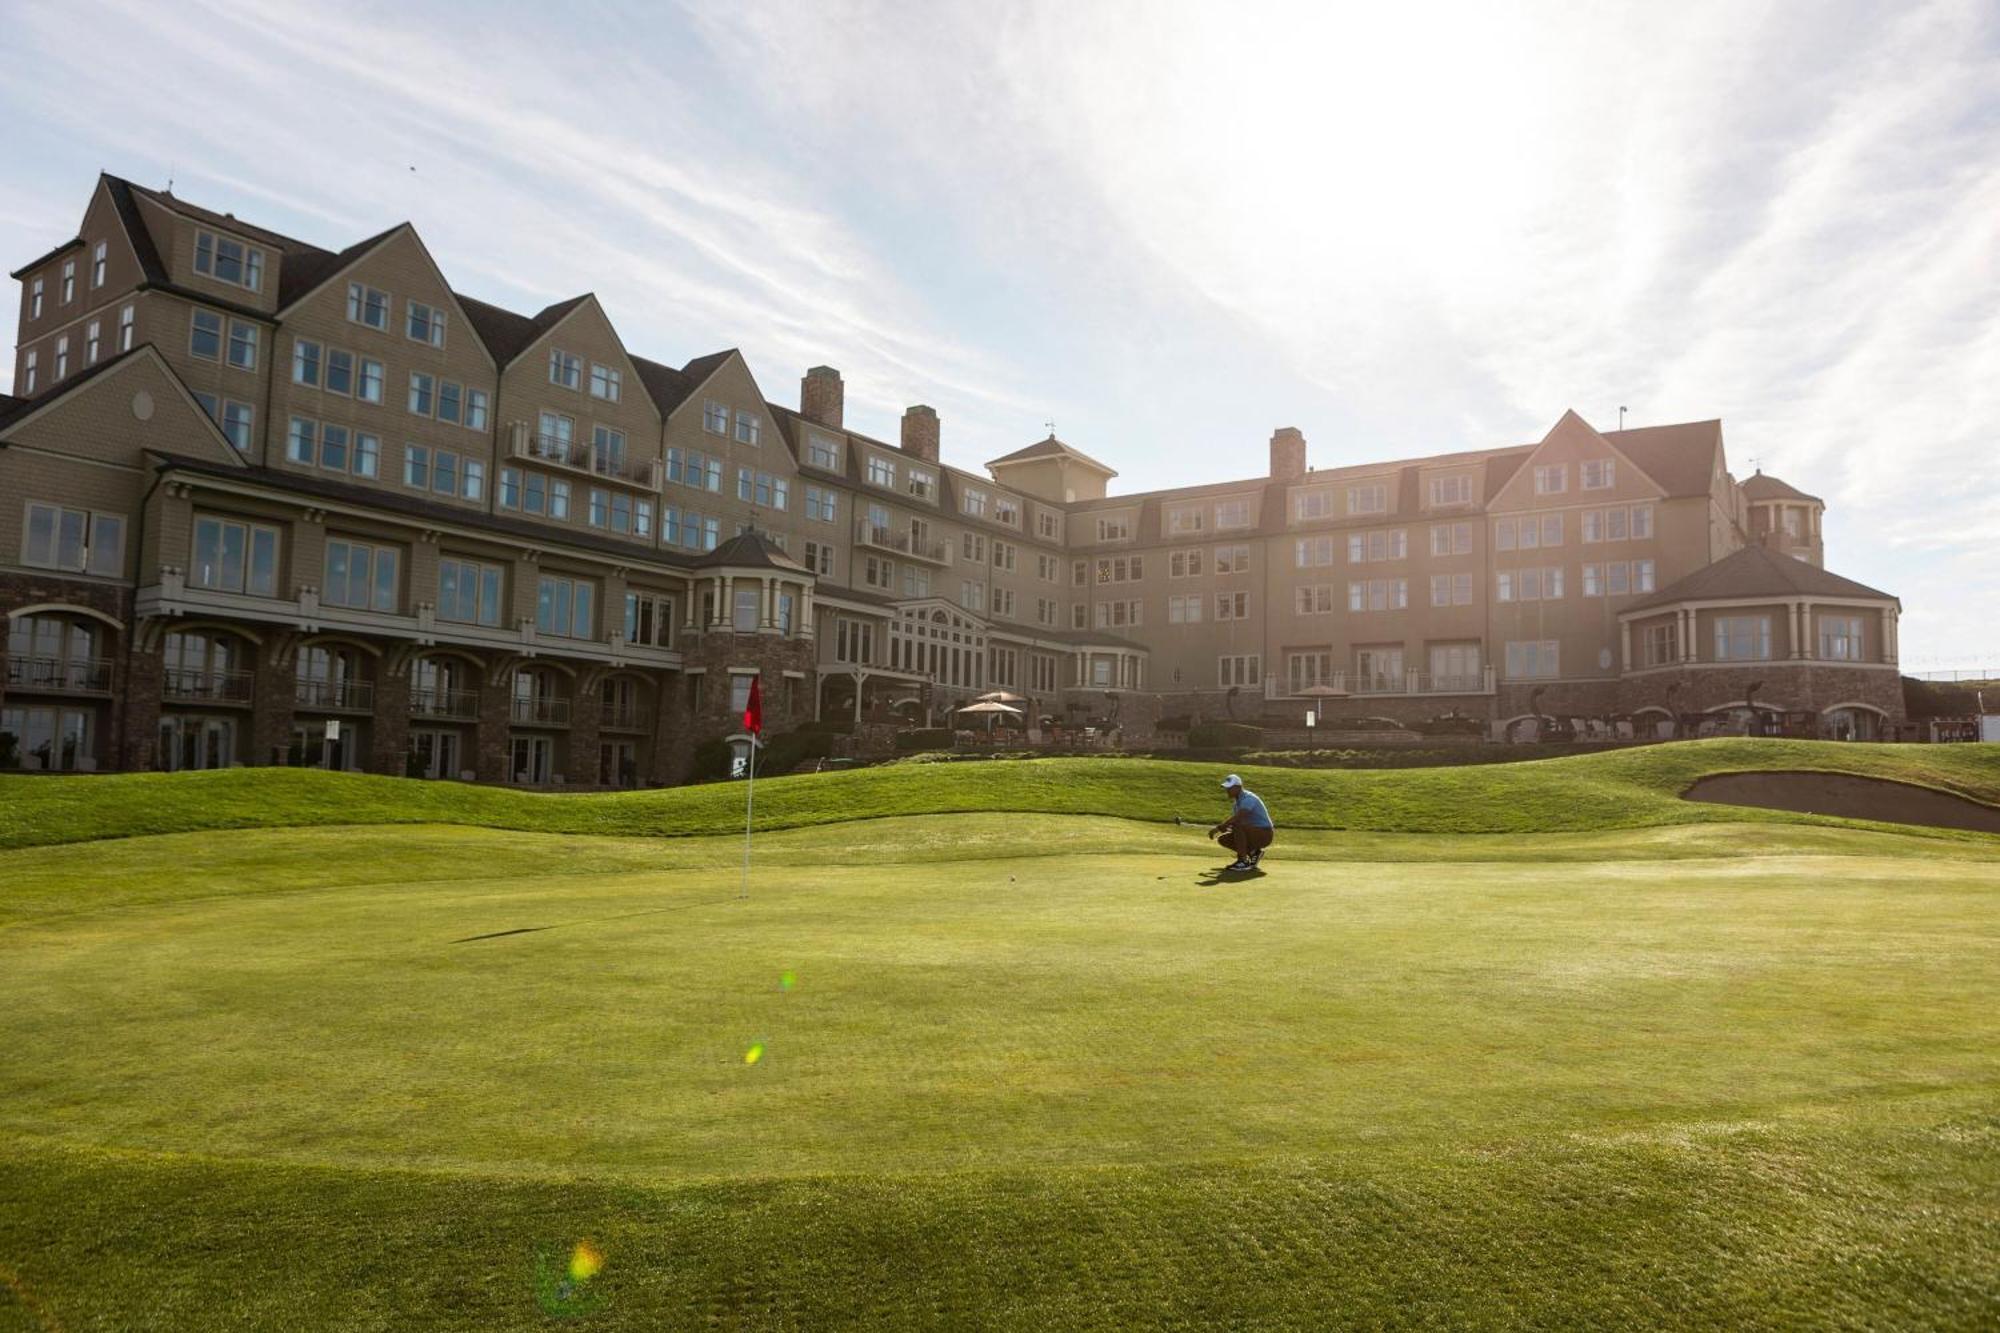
51 651
330 676
205 667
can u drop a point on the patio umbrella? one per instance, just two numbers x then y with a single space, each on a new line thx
990 709
1318 692
1002 697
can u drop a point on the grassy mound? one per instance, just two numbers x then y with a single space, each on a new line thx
1623 789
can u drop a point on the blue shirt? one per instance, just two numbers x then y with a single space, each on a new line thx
1251 806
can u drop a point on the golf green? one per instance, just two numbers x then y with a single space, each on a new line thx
1011 1070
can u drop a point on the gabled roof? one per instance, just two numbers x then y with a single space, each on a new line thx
136 230
287 246
1681 457
40 260
1758 571
668 387
17 408
702 367
749 550
1763 487
303 273
507 334
1051 448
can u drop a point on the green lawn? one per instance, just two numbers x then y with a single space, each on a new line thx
1643 1063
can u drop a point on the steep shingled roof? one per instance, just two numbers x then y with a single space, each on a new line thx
1758 571
1680 457
1050 448
16 408
301 273
507 334
668 387
749 550
1761 486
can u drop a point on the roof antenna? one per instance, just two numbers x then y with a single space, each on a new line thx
170 177
1621 418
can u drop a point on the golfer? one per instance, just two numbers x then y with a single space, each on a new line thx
1248 830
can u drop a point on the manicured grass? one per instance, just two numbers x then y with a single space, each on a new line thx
1034 1071
1620 789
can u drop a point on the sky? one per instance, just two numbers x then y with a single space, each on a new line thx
1165 227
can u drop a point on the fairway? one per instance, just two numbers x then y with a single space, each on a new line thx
1012 1069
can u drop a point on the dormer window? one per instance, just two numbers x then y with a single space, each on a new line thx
1370 499
823 452
1307 505
1599 474
881 471
426 324
973 502
1232 514
565 369
1450 491
228 261
922 482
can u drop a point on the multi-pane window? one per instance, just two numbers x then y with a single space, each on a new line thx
205 336
565 368
649 619
1007 510
1742 638
1367 547
423 393
819 558
1243 669
227 261
972 594
823 452
822 504
972 548
681 527
1529 585
426 323
1551 478
1232 514
1840 638
1617 525
1232 559
1528 532
1305 670
1617 578
1599 474
1313 599
62 356
748 427
468 591
1045 611
853 641
1232 606
99 256
606 382
35 299
475 409
1451 589
28 372
1121 569
1370 499
236 423
1186 520
242 345
77 540
1311 551
92 342
1451 491
361 575
1378 594
1005 554
1118 615
1117 528
878 572
916 581
68 281
563 605
762 489
1185 564
1048 525
972 502
1532 659
612 510
1079 616
921 482
234 556
715 417
127 327
305 362
881 471
1451 539
695 469
1185 608
1308 505
367 306
1662 644
1003 602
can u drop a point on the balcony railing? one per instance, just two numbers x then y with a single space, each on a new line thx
622 717
541 710
343 696
444 703
573 453
902 543
68 675
195 685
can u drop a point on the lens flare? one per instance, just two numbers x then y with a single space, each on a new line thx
563 1288
585 1262
754 1054
786 981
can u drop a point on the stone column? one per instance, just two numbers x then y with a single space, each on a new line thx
274 702
1808 645
491 732
1625 645
585 722
140 738
390 727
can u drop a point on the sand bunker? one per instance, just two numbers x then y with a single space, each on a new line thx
1848 797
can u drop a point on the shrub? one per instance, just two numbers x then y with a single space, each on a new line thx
782 754
1224 736
924 738
1180 722
709 762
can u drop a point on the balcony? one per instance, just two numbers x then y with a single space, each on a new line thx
901 543
336 696
60 675
622 717
541 711
460 704
197 686
645 473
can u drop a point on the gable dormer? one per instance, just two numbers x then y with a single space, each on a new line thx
1574 466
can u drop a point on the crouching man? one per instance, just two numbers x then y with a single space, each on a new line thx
1248 830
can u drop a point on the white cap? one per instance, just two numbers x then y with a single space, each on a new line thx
1231 781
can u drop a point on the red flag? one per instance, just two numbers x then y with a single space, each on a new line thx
753 711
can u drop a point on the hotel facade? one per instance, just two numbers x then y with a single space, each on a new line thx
264 503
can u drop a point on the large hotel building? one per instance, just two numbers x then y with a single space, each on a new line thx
250 487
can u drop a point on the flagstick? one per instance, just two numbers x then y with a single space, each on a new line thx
749 805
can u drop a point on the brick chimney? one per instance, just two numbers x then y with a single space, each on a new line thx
1288 453
822 396
920 433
